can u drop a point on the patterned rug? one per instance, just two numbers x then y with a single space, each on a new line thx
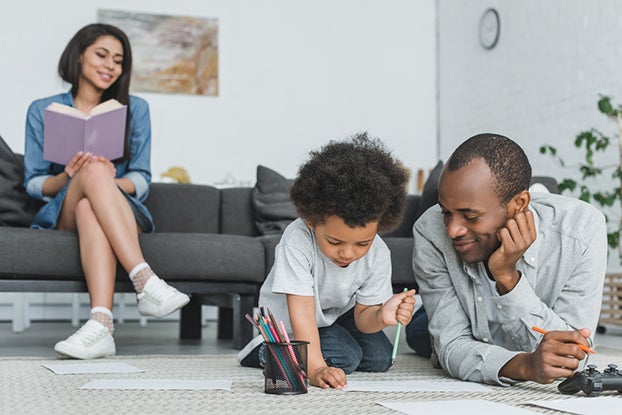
26 387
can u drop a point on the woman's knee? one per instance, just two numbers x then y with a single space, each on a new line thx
94 172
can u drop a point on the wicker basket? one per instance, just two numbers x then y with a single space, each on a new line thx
611 311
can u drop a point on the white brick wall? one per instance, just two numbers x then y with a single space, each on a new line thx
540 84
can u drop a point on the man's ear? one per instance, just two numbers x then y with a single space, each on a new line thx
520 202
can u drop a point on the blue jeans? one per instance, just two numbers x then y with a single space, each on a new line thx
417 334
345 347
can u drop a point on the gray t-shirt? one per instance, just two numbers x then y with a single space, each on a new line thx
300 268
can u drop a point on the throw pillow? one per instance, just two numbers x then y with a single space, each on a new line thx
429 196
272 205
16 207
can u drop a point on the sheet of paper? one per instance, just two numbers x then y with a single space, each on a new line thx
413 386
459 406
158 384
91 367
584 405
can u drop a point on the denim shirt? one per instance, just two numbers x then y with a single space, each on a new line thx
561 284
137 168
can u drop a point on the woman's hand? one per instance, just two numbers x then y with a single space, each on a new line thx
108 164
76 163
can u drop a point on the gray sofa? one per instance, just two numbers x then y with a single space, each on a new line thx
206 244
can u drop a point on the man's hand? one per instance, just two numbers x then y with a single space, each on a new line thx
557 356
516 236
328 377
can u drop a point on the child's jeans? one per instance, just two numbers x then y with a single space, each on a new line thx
345 347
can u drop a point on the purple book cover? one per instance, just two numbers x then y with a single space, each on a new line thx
102 134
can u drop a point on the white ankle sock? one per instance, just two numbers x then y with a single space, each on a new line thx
139 276
104 316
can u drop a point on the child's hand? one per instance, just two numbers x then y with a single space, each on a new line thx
399 308
328 377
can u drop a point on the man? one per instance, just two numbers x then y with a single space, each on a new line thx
492 261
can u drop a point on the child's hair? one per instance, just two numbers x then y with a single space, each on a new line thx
357 180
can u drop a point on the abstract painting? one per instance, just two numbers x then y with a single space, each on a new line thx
171 54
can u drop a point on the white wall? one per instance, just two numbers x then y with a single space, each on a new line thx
293 74
540 84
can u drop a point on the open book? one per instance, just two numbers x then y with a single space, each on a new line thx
67 130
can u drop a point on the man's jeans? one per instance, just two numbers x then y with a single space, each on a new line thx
417 335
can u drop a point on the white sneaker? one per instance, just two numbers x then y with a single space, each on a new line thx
91 341
158 299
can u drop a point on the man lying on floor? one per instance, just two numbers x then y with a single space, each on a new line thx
492 261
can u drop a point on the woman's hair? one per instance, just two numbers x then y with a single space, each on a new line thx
357 180
69 67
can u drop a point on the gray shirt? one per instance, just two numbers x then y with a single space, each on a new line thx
300 268
560 287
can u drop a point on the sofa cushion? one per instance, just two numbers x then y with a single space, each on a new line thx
178 207
204 257
429 196
236 211
272 205
16 207
401 262
48 254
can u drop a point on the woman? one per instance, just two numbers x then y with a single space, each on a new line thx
99 199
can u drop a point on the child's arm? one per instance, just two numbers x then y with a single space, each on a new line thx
302 317
373 318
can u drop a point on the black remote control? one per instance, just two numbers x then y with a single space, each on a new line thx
592 382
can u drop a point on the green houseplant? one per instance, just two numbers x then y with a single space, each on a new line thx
593 187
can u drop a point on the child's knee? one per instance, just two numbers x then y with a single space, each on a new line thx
348 361
379 361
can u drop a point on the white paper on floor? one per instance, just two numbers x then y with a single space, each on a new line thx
91 367
158 384
413 386
584 405
459 406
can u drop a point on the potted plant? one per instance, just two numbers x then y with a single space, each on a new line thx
590 189
604 194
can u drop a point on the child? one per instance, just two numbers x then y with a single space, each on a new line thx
331 279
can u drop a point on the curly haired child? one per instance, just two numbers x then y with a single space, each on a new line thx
331 279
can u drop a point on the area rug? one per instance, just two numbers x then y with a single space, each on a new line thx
26 387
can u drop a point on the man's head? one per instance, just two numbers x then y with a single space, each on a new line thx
354 184
483 184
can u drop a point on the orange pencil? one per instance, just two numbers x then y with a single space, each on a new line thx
584 348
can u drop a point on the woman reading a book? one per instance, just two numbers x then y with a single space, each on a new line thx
98 198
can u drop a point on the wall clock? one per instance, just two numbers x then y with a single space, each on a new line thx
489 28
